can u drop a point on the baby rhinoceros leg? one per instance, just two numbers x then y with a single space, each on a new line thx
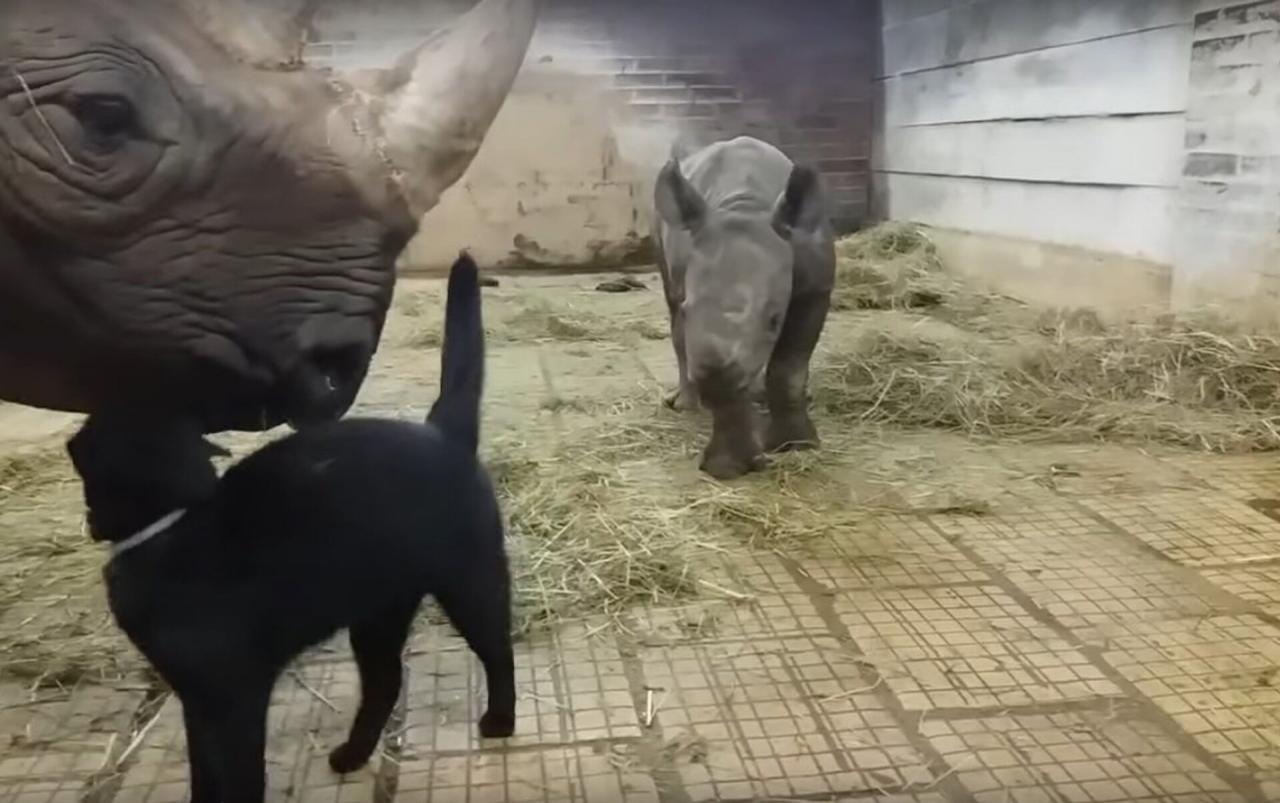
734 448
787 380
685 397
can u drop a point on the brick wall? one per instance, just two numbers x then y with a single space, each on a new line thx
566 173
798 74
1229 209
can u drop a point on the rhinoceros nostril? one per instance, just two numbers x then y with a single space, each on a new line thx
324 368
338 366
324 381
718 381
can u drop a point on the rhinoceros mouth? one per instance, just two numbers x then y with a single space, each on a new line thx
312 380
323 384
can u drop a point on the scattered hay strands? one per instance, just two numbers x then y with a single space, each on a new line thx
518 320
977 363
26 470
588 541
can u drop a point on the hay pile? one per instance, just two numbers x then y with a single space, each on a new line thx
28 469
895 266
54 628
591 534
787 507
85 646
977 363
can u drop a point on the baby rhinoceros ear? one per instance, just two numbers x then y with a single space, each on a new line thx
801 207
678 203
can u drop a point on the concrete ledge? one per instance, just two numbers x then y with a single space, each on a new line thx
1043 273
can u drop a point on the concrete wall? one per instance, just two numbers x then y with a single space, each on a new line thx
564 176
1228 243
1044 137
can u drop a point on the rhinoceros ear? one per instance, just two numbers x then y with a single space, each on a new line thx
801 206
678 203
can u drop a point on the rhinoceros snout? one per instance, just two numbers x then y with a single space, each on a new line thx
718 381
327 372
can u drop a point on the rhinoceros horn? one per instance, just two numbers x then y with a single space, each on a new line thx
438 102
431 111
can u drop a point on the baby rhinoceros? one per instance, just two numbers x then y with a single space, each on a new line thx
747 255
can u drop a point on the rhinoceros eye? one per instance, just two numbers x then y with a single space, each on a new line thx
106 119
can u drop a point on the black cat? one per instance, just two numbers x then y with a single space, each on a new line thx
221 583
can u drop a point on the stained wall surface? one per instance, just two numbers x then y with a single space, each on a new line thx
1228 228
564 178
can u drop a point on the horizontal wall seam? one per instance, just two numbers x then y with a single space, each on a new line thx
1041 118
1063 45
1033 181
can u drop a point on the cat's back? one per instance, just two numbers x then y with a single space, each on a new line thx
368 474
347 445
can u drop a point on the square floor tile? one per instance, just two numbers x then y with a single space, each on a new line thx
589 774
785 720
1218 678
887 552
1072 757
965 647
569 689
1258 586
1194 528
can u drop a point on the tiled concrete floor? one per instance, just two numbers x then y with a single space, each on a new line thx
1081 647
1110 635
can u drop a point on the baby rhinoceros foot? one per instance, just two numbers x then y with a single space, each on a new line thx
497 726
683 400
726 464
793 432
734 448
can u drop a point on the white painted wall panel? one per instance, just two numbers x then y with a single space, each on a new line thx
1137 73
1060 122
988 29
896 11
920 43
1134 221
1143 151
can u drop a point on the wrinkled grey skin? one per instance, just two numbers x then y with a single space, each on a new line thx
185 226
747 255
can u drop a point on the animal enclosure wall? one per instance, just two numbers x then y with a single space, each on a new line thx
1043 137
564 178
1109 152
1228 225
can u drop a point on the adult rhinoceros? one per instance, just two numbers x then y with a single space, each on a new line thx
190 218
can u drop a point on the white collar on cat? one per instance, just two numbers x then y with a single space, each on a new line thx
146 534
